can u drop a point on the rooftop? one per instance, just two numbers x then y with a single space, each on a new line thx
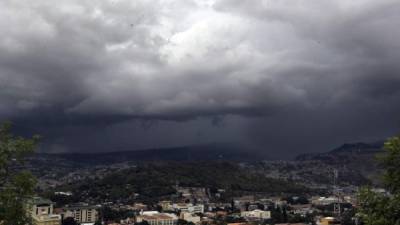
158 216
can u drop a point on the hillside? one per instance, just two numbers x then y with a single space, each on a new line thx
360 157
345 153
355 162
155 181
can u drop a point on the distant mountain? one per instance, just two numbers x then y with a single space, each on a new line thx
209 152
359 157
345 153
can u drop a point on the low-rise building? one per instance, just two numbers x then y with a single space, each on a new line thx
156 218
139 207
190 217
166 205
302 210
188 207
324 200
256 215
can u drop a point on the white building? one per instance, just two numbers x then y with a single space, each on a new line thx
256 215
156 218
188 207
42 212
324 200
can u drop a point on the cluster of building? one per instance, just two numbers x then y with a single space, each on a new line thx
43 212
243 210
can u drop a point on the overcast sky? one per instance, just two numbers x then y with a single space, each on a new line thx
281 76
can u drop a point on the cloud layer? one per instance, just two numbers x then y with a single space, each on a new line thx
271 69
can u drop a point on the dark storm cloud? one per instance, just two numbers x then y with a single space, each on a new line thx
320 72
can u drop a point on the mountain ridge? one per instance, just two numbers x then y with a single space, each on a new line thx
345 151
203 152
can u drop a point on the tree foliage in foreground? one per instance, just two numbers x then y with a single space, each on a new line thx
380 208
16 185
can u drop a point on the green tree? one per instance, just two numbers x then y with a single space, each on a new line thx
391 162
380 208
16 185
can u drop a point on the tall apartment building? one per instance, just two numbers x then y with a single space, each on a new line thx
41 211
81 213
